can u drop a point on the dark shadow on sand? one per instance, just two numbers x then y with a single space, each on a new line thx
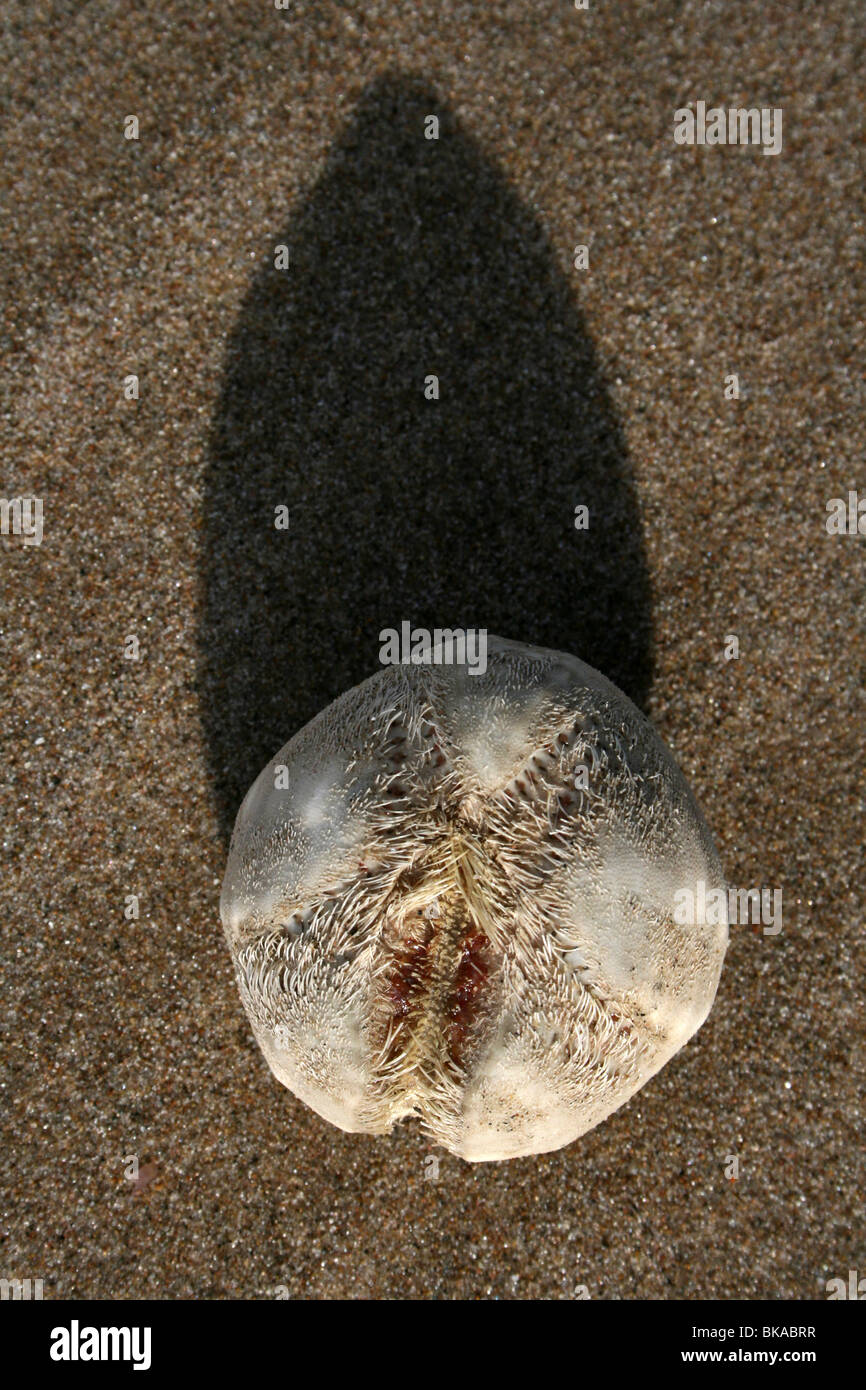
409 257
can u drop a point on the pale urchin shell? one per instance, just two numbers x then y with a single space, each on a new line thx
428 917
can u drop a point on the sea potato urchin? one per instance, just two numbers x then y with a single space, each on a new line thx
451 895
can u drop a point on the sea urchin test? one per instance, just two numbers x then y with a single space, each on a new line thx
451 896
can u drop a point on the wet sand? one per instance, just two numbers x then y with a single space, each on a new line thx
125 1037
